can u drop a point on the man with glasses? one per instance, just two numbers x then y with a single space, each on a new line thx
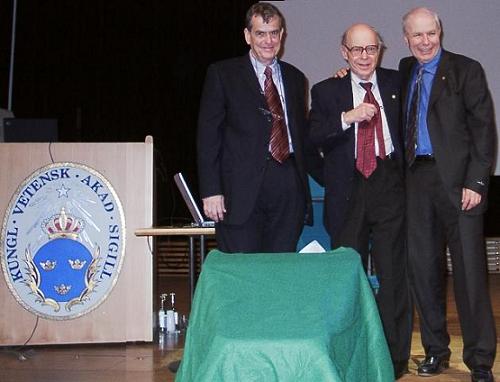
450 138
355 121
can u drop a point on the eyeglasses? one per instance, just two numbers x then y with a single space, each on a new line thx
357 51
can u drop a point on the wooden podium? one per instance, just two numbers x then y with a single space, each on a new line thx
127 312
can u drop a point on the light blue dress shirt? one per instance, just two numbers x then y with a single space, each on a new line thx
424 144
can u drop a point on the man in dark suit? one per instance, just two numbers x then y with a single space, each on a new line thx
366 208
449 149
251 143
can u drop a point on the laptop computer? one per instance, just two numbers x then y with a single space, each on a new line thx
198 219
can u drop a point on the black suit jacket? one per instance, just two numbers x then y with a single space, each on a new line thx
330 98
460 121
234 131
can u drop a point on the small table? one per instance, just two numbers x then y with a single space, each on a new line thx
285 317
192 232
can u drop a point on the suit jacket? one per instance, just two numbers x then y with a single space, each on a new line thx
330 98
234 131
460 121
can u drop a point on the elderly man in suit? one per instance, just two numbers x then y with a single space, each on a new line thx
355 121
449 151
251 143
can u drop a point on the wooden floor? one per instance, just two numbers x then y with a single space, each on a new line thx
148 362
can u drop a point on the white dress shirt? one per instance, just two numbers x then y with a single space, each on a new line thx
278 82
358 95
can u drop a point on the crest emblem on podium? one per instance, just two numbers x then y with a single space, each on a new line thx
63 239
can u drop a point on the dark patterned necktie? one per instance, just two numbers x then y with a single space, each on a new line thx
366 161
279 137
412 120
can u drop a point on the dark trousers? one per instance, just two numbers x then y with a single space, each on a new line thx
434 222
277 219
375 224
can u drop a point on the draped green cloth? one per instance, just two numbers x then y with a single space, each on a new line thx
285 317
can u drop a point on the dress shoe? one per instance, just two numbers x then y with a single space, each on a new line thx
174 366
481 375
432 365
400 369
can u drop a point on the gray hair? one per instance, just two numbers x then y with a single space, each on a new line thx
266 11
422 9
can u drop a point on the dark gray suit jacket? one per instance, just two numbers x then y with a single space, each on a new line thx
330 98
234 131
461 124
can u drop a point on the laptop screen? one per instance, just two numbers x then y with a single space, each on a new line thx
198 218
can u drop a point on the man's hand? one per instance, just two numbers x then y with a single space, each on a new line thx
470 199
362 112
341 73
214 208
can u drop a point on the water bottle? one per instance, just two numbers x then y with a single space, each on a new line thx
171 328
162 317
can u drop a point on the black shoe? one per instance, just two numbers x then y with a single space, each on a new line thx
400 369
174 366
481 375
433 365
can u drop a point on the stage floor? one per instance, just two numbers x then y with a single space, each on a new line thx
148 362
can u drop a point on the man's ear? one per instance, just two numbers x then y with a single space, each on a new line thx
343 51
246 32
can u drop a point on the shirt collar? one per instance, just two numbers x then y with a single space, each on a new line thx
431 66
355 80
260 67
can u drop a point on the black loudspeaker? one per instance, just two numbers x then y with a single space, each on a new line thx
30 130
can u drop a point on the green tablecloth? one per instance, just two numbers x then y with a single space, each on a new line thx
284 317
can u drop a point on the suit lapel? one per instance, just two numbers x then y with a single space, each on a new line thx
440 79
347 103
389 98
251 78
346 92
290 95
390 92
406 72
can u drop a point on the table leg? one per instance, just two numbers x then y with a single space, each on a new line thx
202 249
192 267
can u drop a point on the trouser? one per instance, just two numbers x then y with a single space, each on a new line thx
434 222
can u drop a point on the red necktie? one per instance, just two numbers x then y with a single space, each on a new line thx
279 137
366 161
